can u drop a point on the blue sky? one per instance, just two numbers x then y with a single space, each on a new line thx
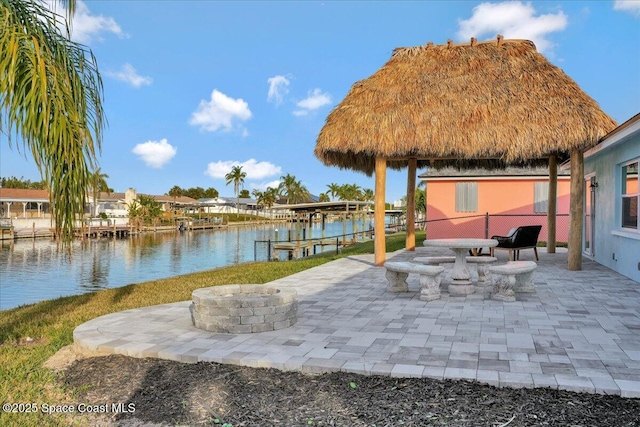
192 88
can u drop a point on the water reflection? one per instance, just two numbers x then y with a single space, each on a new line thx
94 273
176 251
35 270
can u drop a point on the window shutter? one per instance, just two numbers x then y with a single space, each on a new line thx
466 196
541 197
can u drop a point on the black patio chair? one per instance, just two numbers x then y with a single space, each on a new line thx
524 237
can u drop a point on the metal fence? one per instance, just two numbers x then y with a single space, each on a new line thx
485 226
293 248
473 226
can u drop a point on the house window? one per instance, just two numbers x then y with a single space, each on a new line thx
466 196
630 195
540 197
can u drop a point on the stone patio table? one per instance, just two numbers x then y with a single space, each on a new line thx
460 275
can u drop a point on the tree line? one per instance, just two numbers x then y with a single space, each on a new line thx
346 192
193 192
22 183
290 190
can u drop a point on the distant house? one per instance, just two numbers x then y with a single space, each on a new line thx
24 203
611 229
184 203
117 204
113 204
458 201
228 205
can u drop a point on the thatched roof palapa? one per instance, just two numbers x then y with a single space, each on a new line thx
481 104
488 105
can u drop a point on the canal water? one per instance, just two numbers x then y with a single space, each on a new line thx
37 270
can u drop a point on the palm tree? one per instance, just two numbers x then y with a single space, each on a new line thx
97 184
150 209
135 213
421 200
271 195
287 186
259 196
175 192
334 190
368 195
299 193
237 177
323 197
51 100
350 192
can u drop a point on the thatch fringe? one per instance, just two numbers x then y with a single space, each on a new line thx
480 104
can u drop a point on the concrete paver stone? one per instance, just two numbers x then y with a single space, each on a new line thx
577 331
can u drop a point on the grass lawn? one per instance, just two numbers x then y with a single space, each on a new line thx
49 325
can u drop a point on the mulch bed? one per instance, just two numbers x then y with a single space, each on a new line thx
173 393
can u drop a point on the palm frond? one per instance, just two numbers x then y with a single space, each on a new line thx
51 100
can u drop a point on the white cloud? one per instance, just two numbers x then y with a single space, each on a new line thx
85 25
253 168
513 20
129 75
313 101
631 6
278 88
155 154
264 185
220 112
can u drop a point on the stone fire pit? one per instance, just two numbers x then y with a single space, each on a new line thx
240 309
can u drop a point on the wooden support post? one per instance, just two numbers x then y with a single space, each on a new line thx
411 205
344 229
379 205
310 233
574 257
354 228
296 253
552 204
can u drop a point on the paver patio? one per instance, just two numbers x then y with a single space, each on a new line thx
578 331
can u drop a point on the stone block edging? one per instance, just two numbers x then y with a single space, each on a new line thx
242 309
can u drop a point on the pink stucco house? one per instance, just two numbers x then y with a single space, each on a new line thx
481 203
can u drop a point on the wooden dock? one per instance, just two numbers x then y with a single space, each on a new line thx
6 229
304 248
206 226
104 231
